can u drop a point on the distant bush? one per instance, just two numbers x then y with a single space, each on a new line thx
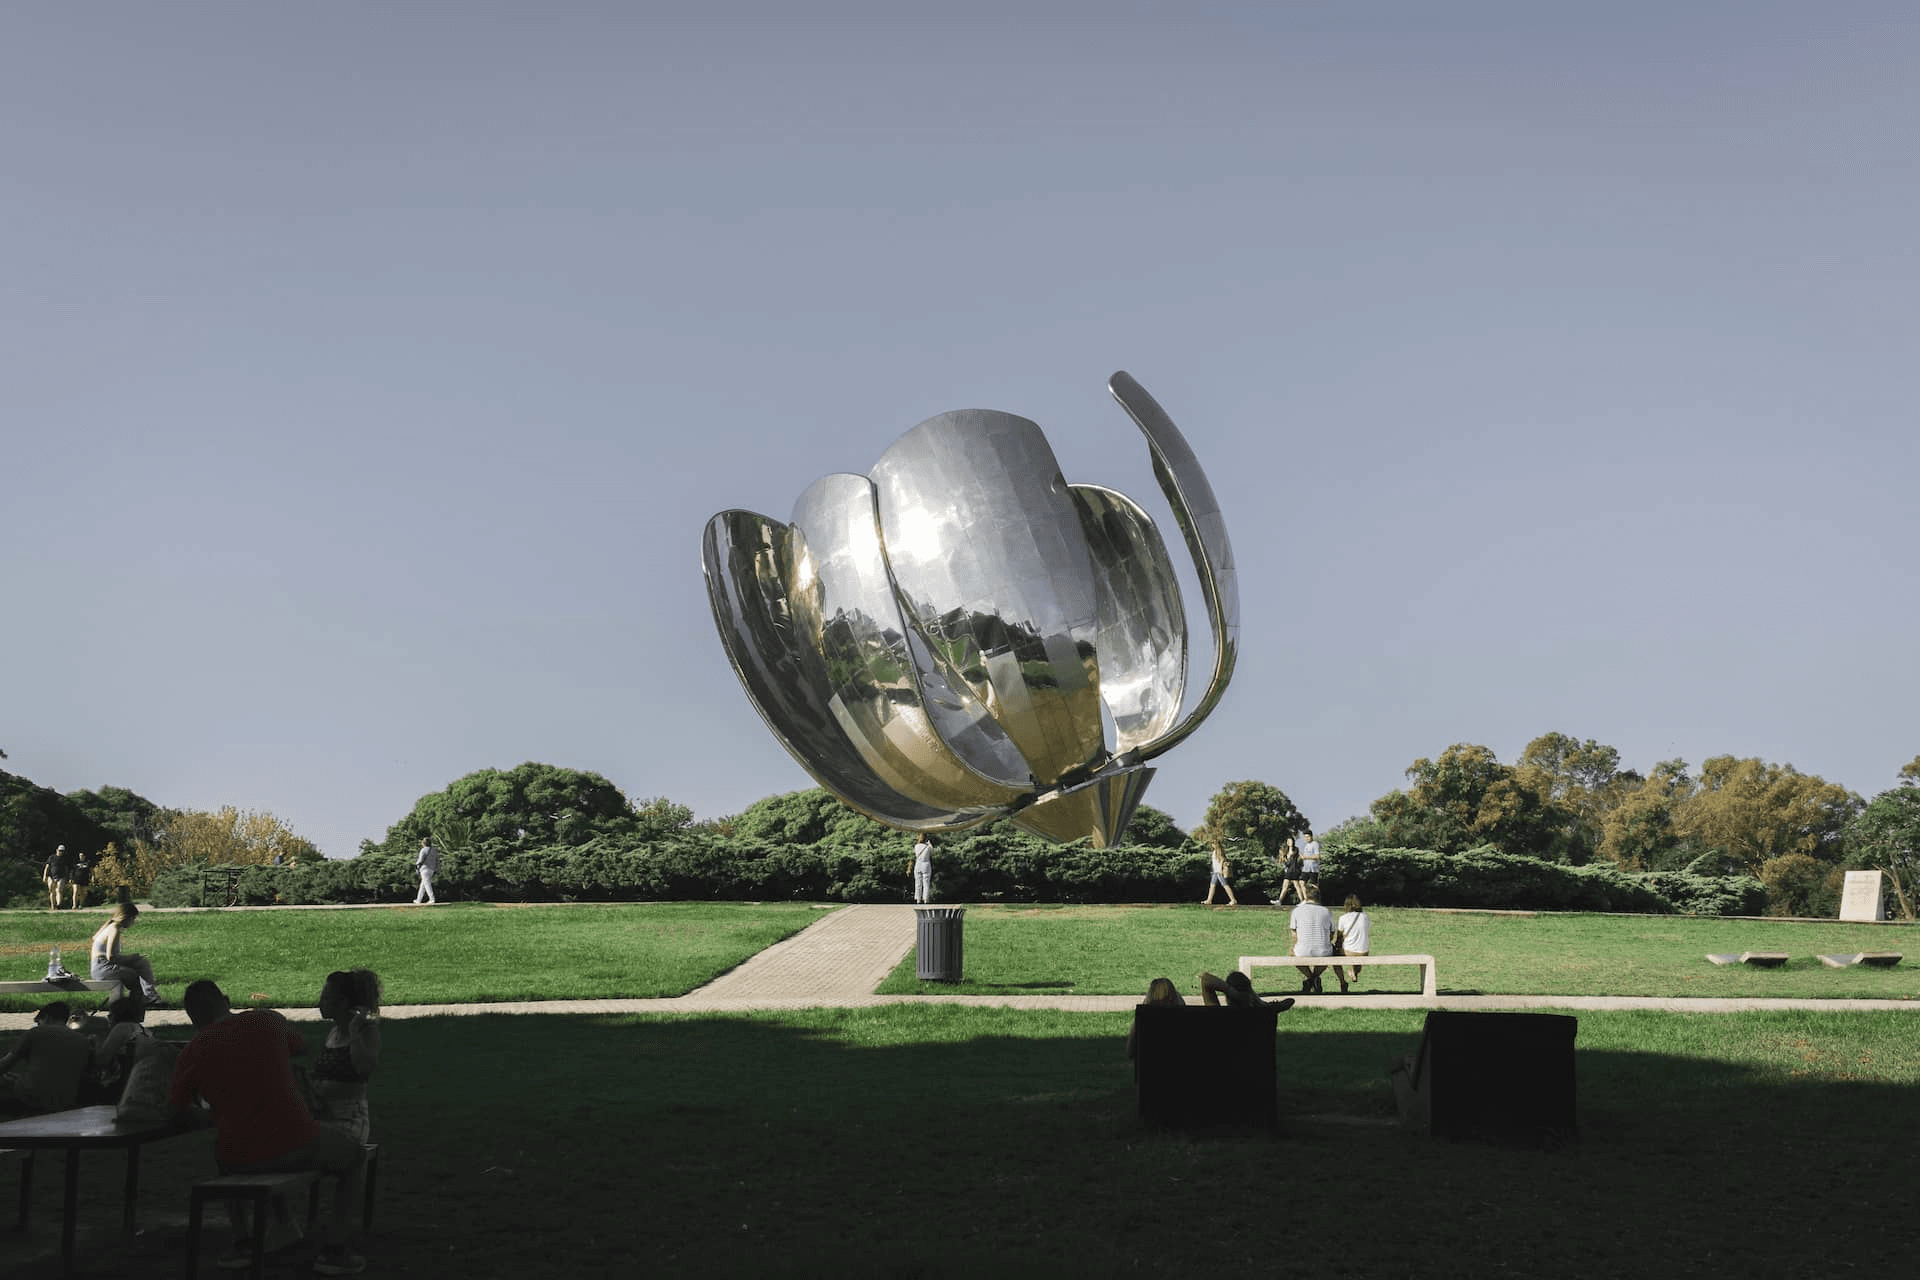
1487 878
995 863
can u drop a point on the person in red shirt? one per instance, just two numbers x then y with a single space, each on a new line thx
241 1065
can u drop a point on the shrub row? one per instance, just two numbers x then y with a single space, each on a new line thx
994 865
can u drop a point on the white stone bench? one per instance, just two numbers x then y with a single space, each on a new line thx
1872 959
1429 979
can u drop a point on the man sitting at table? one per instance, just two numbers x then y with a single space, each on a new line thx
241 1064
43 1070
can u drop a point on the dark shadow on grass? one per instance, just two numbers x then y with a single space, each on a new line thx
805 1145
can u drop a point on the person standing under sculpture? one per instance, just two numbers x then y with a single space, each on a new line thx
427 863
923 869
57 873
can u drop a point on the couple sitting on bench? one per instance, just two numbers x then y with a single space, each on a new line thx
241 1065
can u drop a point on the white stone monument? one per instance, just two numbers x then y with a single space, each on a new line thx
1862 899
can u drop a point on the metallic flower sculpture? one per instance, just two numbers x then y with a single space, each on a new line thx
944 640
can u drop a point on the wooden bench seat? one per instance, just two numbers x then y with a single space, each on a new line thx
1429 979
259 1189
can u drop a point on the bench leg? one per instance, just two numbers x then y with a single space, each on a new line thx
372 1174
26 1186
1430 981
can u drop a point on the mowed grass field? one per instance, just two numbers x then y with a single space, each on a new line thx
458 953
925 1140
1011 950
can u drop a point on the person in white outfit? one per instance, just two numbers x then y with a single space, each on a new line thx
1356 936
923 869
427 862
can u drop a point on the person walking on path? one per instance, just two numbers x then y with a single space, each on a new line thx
1310 860
1290 875
1312 928
58 874
82 878
923 869
427 863
1220 877
241 1065
110 964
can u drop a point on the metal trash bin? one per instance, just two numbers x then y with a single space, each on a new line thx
937 943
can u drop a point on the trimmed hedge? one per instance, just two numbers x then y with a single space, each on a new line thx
996 863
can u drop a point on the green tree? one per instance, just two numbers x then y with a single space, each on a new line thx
1466 798
1886 838
126 815
1251 816
1637 832
227 837
1752 812
534 805
1580 782
813 816
33 821
1153 829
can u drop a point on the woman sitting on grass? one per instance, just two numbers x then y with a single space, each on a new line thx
350 998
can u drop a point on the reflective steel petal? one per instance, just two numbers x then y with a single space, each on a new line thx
748 561
936 643
1142 638
845 608
985 543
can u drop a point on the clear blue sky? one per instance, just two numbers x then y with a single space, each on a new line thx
367 376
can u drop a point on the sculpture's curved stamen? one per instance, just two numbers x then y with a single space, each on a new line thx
1198 513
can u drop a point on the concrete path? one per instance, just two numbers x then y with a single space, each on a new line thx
839 960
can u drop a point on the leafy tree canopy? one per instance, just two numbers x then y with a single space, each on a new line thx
1154 829
1251 815
127 814
35 819
1886 837
531 804
1466 798
813 816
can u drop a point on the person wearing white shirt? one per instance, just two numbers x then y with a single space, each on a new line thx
1310 860
1312 928
923 869
1356 936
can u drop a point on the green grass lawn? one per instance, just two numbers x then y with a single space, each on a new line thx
458 953
946 1141
1119 950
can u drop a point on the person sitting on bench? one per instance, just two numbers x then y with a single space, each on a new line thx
110 964
241 1065
1312 928
44 1069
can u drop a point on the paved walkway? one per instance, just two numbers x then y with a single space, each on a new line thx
839 960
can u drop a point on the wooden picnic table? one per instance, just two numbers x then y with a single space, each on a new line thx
77 1130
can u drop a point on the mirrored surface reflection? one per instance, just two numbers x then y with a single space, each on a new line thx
937 641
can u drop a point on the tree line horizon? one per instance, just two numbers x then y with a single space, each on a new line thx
1564 801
